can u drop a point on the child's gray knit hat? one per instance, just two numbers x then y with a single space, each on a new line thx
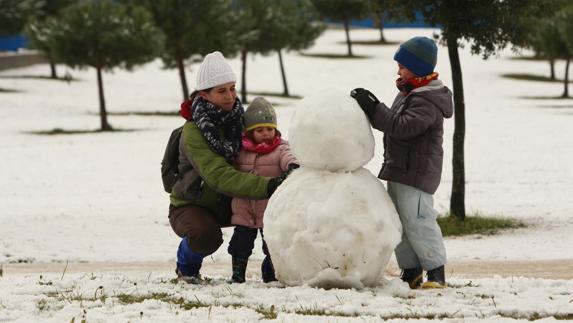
260 113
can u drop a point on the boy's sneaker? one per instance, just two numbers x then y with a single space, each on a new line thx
412 276
239 269
194 279
436 278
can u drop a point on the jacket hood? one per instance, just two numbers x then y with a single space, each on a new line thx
437 94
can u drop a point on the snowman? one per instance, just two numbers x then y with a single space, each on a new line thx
331 224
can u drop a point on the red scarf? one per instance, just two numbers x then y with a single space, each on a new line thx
407 86
261 148
185 110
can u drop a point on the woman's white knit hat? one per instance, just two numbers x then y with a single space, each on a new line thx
214 71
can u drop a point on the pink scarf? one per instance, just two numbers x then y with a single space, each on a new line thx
261 148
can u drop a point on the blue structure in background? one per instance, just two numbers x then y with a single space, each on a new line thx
12 43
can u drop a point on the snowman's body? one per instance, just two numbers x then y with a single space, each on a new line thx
331 223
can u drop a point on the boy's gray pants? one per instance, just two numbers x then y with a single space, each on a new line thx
422 243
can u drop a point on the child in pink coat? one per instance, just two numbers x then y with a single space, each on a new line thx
263 153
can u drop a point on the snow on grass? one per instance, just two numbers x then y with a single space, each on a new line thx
149 298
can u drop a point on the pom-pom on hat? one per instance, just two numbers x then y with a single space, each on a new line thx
418 54
214 71
260 113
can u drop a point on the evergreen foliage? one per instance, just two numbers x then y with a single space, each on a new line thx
548 36
190 27
14 14
248 19
38 31
344 11
380 11
267 26
290 25
103 35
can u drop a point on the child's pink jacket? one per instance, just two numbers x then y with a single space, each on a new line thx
250 213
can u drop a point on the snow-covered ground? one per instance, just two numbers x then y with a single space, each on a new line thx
99 198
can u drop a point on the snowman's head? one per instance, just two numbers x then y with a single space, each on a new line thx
329 131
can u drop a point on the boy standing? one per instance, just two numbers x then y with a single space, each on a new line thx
413 156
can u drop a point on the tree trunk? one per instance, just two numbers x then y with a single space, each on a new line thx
552 68
381 27
285 85
566 79
244 75
183 78
457 202
102 112
348 42
53 74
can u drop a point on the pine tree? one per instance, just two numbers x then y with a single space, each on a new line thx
14 14
249 19
291 26
344 11
382 10
190 27
268 26
103 35
487 26
38 30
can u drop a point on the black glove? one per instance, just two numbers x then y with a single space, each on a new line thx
366 100
276 181
292 167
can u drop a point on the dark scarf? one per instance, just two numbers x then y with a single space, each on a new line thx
407 86
208 118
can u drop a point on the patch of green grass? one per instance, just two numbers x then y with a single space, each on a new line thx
528 58
163 297
546 97
536 316
531 77
274 94
268 314
132 299
322 312
4 90
60 131
71 296
371 43
66 78
469 284
417 316
42 304
333 56
146 113
476 224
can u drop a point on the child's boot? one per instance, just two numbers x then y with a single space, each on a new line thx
188 263
413 276
239 269
268 270
436 278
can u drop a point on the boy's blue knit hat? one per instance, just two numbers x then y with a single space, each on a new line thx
418 54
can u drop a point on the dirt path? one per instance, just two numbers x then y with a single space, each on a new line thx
550 269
